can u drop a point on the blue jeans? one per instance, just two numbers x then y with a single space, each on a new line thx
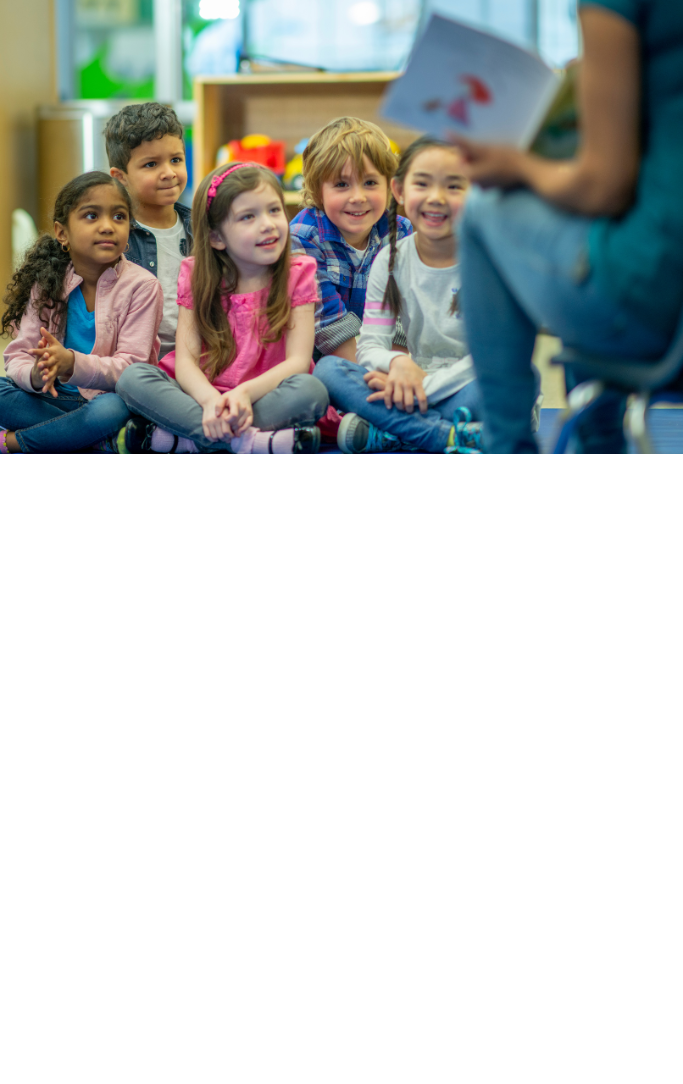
68 423
349 392
524 266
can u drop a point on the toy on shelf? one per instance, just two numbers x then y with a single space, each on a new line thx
293 180
254 148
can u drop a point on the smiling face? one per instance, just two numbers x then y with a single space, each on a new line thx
156 174
97 228
256 230
355 203
433 192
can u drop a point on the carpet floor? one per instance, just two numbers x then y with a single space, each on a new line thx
665 425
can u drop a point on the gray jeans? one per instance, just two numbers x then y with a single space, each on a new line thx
149 391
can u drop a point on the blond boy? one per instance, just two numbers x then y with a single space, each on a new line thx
348 165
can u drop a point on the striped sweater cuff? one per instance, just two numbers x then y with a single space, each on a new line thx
333 335
399 338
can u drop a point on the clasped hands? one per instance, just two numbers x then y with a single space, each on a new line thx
53 362
228 415
400 387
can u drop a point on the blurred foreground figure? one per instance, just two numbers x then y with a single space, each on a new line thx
590 248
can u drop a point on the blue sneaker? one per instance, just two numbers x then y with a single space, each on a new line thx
355 436
466 433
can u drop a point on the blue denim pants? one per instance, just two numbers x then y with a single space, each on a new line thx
68 423
524 266
349 392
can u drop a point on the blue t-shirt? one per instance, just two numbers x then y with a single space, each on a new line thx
80 327
638 258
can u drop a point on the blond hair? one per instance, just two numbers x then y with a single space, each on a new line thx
330 148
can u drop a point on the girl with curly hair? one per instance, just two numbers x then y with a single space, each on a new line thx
79 314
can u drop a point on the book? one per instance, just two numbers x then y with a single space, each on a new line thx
559 133
464 81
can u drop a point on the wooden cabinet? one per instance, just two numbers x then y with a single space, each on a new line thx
283 105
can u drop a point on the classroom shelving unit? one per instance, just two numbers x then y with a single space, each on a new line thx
283 105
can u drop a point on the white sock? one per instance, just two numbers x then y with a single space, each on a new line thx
258 442
162 441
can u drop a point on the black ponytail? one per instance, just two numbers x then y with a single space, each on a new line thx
392 296
46 263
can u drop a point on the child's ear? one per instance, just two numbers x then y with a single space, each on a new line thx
397 190
60 233
215 240
120 175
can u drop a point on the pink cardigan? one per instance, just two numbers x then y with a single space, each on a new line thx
128 310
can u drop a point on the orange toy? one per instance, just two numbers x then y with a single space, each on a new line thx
254 148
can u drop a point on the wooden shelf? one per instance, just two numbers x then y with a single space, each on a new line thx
283 105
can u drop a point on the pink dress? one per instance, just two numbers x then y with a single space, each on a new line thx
253 356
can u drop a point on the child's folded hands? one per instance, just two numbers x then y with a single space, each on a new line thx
403 384
215 423
53 361
237 409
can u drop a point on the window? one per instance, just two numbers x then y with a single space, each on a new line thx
107 48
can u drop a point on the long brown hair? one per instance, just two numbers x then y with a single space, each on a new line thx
45 264
215 274
392 294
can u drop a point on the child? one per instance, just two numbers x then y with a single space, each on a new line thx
348 165
147 155
417 277
245 332
79 313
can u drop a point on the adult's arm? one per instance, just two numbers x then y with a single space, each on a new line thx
601 180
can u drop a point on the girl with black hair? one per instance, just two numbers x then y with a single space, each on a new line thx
416 278
79 313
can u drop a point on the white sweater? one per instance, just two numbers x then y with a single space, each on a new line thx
436 340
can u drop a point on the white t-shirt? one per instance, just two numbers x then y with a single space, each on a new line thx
356 255
435 336
169 259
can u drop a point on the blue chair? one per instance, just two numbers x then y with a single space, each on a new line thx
645 383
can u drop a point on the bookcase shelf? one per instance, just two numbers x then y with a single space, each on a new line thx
283 105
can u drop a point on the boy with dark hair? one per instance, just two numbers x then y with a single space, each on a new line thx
147 155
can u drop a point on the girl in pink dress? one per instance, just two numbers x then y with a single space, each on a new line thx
239 379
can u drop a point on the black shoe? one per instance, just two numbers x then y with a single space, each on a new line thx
138 436
306 439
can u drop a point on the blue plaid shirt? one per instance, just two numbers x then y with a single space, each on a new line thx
342 284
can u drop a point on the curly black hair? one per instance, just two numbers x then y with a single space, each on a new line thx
136 124
46 262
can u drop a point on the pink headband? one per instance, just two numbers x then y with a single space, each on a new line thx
213 187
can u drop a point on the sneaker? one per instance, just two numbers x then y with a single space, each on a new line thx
466 434
306 439
104 447
136 436
357 436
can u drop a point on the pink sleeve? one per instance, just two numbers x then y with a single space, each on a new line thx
18 361
303 287
185 283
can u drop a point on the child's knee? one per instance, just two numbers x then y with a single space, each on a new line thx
313 390
8 387
132 377
110 407
332 367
